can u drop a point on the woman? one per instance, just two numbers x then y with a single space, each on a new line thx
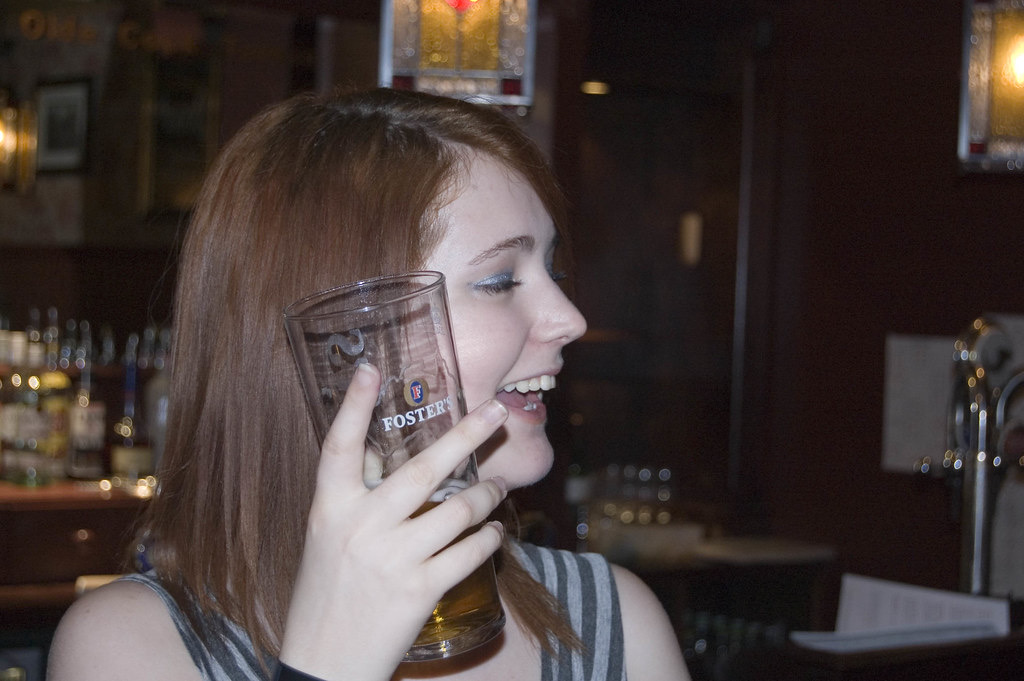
265 548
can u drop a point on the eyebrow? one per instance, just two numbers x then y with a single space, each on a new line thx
524 242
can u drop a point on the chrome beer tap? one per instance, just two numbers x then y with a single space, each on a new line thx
972 465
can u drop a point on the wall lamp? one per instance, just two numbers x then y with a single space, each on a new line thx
18 134
991 136
471 49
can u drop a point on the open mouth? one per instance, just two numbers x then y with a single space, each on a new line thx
528 393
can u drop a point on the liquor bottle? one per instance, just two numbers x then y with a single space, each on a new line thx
5 377
147 348
156 397
85 347
32 330
108 348
130 455
24 463
54 404
10 402
51 335
68 344
35 353
87 417
5 346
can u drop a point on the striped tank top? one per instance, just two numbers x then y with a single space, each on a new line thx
582 583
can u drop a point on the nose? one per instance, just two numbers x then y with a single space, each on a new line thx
559 320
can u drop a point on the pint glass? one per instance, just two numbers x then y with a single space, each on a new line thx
399 324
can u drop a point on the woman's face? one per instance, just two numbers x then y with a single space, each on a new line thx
510 317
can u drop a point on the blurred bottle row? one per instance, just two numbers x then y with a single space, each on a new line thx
720 647
624 494
75 405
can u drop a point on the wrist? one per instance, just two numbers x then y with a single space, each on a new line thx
285 673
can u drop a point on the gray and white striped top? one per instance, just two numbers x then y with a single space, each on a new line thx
583 583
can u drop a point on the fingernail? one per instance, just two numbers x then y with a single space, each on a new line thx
364 373
496 524
500 482
493 411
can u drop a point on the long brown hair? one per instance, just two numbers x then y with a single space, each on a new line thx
313 192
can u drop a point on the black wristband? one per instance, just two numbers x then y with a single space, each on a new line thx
286 673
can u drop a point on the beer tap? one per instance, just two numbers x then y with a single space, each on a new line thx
972 466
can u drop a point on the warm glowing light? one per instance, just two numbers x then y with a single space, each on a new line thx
8 134
475 49
17 144
594 87
1014 71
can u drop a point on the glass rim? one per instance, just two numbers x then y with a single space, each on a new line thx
300 308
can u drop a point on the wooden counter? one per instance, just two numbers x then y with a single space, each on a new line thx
994 659
51 535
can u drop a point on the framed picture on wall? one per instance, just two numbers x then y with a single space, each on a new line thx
63 125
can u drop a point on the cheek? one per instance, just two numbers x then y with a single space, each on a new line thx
478 371
487 350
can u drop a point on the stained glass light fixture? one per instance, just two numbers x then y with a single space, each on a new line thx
992 91
472 49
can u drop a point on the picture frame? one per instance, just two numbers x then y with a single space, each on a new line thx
63 125
180 132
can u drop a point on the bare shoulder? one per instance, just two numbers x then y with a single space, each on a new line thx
652 649
117 632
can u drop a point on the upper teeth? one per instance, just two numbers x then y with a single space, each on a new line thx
545 382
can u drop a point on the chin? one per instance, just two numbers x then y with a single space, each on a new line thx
521 459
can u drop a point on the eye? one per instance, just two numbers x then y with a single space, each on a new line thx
499 283
557 276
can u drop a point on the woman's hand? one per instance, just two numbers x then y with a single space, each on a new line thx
371 575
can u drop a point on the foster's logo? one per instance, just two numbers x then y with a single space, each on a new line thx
415 392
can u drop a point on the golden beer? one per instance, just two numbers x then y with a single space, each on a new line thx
469 614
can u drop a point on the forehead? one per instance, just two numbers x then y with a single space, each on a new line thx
490 204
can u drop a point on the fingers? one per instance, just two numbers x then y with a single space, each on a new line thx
342 458
467 509
409 487
342 493
459 560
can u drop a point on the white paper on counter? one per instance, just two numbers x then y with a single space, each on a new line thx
902 637
870 604
876 614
